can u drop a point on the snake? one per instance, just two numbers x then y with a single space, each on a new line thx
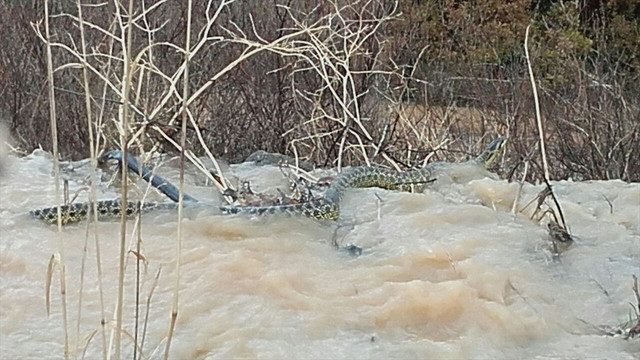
325 207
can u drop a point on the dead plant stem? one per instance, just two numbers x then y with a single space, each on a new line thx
183 139
536 101
103 322
124 128
543 152
514 208
92 192
56 170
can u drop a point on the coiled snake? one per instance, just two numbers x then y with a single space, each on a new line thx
327 207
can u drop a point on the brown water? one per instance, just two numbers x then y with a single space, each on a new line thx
449 273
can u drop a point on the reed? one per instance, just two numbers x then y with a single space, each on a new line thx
92 191
557 229
124 145
183 140
56 170
103 320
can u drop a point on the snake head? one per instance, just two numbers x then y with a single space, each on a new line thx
492 151
132 163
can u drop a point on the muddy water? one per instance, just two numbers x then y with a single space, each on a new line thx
448 273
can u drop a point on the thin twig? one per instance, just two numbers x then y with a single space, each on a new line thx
183 140
84 94
92 192
138 259
514 207
124 128
103 321
148 308
56 170
536 101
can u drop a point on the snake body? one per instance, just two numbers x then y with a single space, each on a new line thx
327 207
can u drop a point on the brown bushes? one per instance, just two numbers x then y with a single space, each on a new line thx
424 75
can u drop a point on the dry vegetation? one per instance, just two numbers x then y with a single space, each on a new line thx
373 81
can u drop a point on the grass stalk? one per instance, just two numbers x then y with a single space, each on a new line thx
83 264
183 140
136 354
514 207
543 152
56 170
148 308
92 191
536 101
124 128
103 320
138 259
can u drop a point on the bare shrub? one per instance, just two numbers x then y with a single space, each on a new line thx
417 70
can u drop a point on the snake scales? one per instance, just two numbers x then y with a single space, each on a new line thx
327 207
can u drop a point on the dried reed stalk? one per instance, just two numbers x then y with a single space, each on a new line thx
183 140
147 29
56 170
536 101
514 207
92 192
148 308
543 153
103 321
124 128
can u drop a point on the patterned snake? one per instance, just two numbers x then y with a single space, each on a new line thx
327 207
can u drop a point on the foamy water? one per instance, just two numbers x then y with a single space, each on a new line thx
449 273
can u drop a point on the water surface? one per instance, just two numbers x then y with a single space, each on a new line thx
448 273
